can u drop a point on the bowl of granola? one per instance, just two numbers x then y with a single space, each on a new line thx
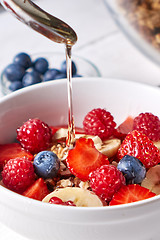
106 184
139 20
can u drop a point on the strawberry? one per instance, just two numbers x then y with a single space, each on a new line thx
85 158
138 145
10 151
131 193
124 128
38 190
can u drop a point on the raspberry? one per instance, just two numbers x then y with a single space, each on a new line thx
99 122
148 124
18 174
56 200
34 135
105 181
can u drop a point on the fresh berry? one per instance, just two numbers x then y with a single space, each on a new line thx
31 78
46 164
34 135
99 122
38 190
138 145
23 59
12 150
15 85
41 65
76 76
51 74
56 200
131 193
148 124
132 168
64 67
14 72
85 158
18 174
105 181
60 76
124 128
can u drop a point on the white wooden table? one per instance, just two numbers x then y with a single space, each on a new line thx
99 40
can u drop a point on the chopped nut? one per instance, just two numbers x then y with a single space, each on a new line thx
60 150
84 185
158 38
64 183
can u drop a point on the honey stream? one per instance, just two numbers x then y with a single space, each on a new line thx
56 30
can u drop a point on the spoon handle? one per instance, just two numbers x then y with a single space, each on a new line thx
39 20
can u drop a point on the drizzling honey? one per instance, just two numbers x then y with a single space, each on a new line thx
71 129
56 30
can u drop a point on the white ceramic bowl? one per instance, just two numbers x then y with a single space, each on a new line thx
43 221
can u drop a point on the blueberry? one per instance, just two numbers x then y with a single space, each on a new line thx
15 85
46 164
60 76
31 78
132 168
23 59
51 74
77 75
14 72
64 67
41 65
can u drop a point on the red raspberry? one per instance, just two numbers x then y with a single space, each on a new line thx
56 200
18 174
105 181
99 122
148 124
34 135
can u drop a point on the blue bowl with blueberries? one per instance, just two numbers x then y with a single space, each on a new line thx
26 70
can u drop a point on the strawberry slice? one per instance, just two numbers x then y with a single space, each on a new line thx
12 150
85 158
138 145
78 130
124 128
131 193
38 190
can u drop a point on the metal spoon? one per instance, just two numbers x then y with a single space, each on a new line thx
39 20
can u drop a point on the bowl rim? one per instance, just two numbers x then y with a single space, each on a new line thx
36 203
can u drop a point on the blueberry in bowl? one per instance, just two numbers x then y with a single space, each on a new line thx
23 59
46 164
26 70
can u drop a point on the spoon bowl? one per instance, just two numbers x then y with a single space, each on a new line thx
32 15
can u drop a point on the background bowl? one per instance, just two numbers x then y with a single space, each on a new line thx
139 20
39 221
85 68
